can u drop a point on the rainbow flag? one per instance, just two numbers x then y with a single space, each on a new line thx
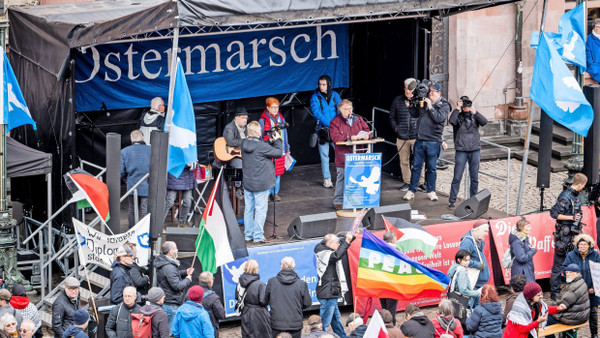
385 272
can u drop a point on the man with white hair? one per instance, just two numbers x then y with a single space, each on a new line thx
27 328
287 295
154 119
135 163
356 325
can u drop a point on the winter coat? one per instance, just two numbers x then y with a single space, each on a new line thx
575 296
259 172
287 295
62 313
232 135
23 306
340 131
160 321
520 323
584 264
359 332
430 123
172 280
139 278
119 279
418 326
267 122
256 320
135 163
467 242
401 121
321 333
185 181
192 320
329 284
462 284
74 332
393 331
151 120
522 255
466 130
212 304
486 321
323 110
592 51
447 324
508 306
118 324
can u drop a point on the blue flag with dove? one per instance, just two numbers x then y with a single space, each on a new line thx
14 109
182 134
556 91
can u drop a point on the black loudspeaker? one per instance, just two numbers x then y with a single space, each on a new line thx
184 237
544 151
316 225
474 206
157 182
591 143
373 218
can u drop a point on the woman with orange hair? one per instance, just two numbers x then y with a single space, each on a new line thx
269 119
486 319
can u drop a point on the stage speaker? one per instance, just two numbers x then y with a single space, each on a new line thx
591 143
184 237
544 151
474 206
373 219
317 225
157 182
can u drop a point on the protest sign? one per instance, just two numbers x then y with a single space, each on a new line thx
595 271
362 180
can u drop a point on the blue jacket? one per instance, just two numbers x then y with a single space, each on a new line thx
462 284
185 181
486 321
523 257
192 320
324 111
135 163
119 279
467 242
584 264
592 51
75 332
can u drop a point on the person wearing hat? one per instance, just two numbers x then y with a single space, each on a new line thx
355 325
316 328
118 323
153 308
20 302
80 322
120 276
405 127
135 163
431 119
324 106
64 306
234 133
574 294
139 275
5 307
191 319
582 255
528 312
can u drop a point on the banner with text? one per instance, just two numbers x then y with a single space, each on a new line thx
362 180
99 248
542 227
269 258
217 67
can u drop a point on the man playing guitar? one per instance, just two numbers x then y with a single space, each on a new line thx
234 133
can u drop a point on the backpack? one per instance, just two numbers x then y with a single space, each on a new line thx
447 335
507 259
239 306
141 325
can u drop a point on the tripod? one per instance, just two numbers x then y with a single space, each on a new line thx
274 223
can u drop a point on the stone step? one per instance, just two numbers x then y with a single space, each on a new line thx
46 317
95 279
559 151
559 133
555 164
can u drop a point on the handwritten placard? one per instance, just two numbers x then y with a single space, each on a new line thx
595 270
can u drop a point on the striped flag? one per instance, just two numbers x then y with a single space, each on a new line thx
376 328
410 236
88 191
385 272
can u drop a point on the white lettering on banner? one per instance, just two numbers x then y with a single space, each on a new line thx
359 157
196 63
544 245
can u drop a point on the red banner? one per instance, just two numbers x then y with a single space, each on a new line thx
542 227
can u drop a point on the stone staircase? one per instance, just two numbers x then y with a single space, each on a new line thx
562 141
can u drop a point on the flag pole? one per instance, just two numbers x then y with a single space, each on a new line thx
172 74
87 277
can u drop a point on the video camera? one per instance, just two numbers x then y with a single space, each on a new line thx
276 128
577 225
420 93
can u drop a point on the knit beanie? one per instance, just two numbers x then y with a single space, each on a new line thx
155 294
196 293
531 289
19 290
80 317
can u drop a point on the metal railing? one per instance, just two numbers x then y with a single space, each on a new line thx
466 180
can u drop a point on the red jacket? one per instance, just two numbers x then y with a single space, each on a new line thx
458 330
340 131
522 331
279 162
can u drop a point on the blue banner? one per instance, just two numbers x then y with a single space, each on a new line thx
217 67
269 258
362 180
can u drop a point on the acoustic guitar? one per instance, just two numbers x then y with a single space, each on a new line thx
225 153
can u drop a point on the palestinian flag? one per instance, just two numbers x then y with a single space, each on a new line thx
410 236
219 239
88 191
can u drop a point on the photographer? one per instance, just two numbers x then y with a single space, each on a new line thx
269 120
431 113
466 121
567 212
405 127
324 103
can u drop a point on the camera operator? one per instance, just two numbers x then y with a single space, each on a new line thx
431 114
466 121
405 127
269 120
567 212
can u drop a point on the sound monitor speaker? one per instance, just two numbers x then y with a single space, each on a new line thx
373 218
544 151
316 225
591 143
157 182
184 237
474 206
